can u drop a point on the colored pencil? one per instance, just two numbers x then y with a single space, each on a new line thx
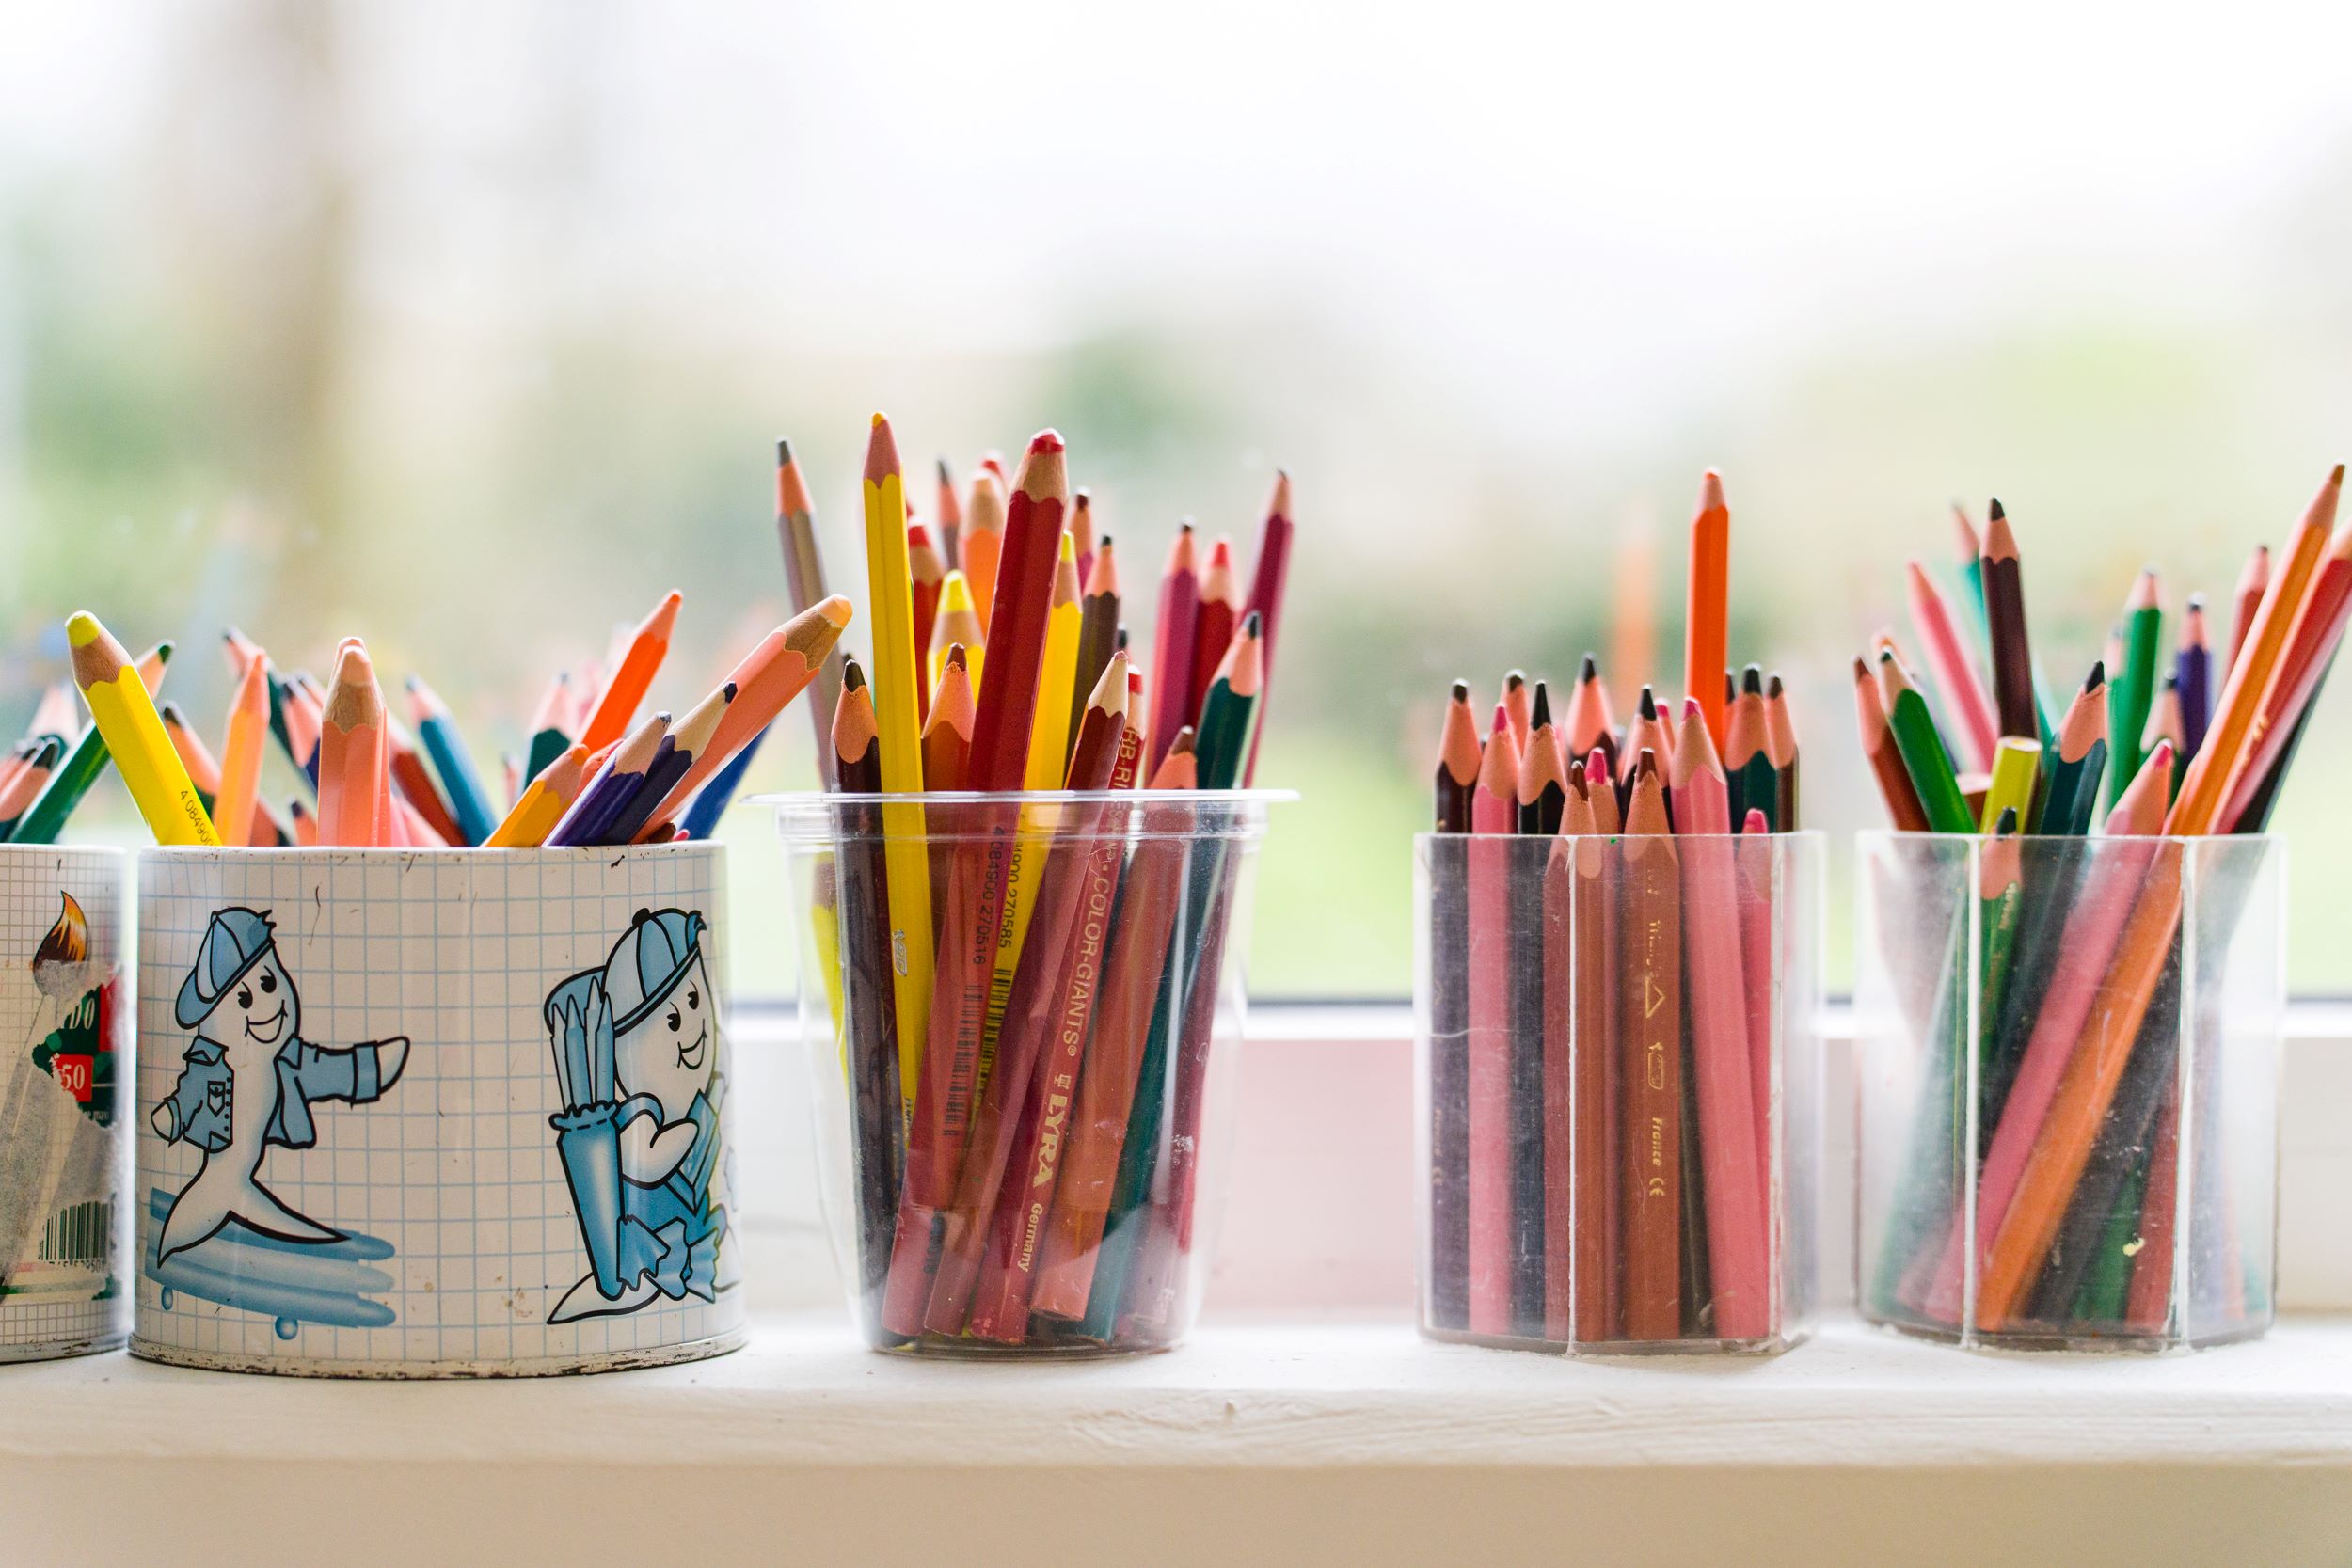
1029 1014
2016 766
1172 643
1780 729
1217 613
2192 668
632 677
545 801
467 801
123 713
1948 659
1590 722
1651 1069
984 542
551 733
1459 755
1052 741
1494 814
24 784
2133 690
2252 583
804 582
1269 581
949 516
1098 628
85 760
958 625
925 578
353 771
1707 621
1754 781
239 815
1926 763
1129 1031
614 784
1082 536
2016 708
2303 663
1737 1223
1884 755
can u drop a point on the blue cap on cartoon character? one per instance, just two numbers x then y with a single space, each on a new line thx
234 941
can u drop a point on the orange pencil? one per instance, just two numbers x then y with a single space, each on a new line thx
2198 806
236 808
351 753
633 677
1707 631
984 542
1650 950
950 520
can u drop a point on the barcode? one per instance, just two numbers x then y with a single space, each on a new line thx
80 1235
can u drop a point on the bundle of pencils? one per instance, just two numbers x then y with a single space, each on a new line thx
1028 989
1606 941
377 784
2091 943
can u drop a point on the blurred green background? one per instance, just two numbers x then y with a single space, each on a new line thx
468 329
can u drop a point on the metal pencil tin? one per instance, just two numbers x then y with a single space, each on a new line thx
434 1113
64 1044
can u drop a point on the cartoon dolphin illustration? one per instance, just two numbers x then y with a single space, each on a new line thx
249 1081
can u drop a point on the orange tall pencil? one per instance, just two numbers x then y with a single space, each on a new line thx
1649 951
1706 632
647 647
233 813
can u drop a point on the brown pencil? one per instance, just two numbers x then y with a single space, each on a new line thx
1650 1066
1780 726
1877 749
1098 633
868 1003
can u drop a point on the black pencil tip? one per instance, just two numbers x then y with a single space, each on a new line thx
1513 679
1772 687
2007 824
1589 670
1993 512
852 675
1649 704
1253 625
1752 680
1540 712
1461 691
783 452
2098 676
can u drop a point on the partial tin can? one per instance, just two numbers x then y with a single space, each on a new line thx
64 1040
434 1113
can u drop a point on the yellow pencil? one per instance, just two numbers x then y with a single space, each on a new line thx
1049 733
957 622
543 802
134 731
2015 763
906 862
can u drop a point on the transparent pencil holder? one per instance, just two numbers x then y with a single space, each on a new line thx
1619 1072
1021 1124
2067 1048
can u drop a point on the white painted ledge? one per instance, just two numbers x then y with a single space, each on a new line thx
1301 1443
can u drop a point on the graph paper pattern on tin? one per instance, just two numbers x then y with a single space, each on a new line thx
63 1258
456 1165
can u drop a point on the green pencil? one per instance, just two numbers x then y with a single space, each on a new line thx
1929 765
2134 686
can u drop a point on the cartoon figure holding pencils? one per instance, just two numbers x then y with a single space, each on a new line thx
249 1082
637 1047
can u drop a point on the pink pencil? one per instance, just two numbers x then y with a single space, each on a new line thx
1267 580
1715 994
1171 645
1755 855
1956 679
1494 815
2093 927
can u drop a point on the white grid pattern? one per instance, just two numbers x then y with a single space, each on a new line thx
456 1165
87 1161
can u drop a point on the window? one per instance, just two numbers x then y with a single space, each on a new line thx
468 330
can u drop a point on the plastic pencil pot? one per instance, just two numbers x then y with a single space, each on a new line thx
1022 1103
434 1113
2068 1060
64 1053
1618 1069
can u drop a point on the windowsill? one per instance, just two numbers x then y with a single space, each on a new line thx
809 1434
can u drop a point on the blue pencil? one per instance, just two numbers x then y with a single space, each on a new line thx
467 800
2193 665
701 818
608 795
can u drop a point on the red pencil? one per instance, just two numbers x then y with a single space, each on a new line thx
1268 578
978 878
1032 1010
1171 644
1149 902
924 575
950 519
1212 624
1494 815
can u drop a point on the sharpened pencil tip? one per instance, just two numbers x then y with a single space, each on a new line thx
783 452
2098 676
1589 670
1461 691
1992 511
1772 687
1649 704
852 677
1752 680
1048 439
82 629
836 608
